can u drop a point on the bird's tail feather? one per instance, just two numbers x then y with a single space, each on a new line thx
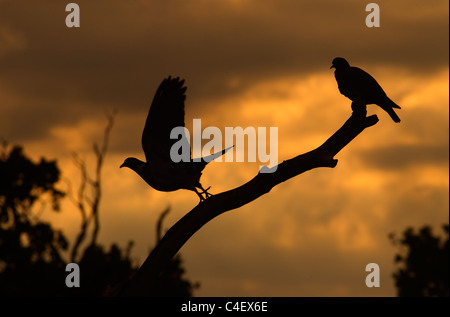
212 157
393 115
388 105
392 104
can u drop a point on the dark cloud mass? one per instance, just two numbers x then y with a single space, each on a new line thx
398 157
122 50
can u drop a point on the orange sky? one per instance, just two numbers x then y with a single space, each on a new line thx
246 63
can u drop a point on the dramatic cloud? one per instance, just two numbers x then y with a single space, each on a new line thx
121 52
405 156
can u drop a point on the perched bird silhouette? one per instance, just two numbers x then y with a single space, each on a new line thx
361 88
160 171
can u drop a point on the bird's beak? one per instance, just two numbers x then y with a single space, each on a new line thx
122 165
332 66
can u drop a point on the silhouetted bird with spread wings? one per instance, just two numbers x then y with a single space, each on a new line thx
160 171
361 88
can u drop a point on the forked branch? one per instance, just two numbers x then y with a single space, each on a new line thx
89 205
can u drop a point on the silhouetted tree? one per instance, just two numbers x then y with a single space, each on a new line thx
102 269
30 250
424 263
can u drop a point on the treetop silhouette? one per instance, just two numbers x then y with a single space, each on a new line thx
422 262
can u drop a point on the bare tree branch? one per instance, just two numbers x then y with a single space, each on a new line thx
100 154
89 206
160 222
80 202
262 183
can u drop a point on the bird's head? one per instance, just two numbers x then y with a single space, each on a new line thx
339 63
133 163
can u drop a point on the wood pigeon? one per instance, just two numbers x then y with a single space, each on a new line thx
160 171
361 88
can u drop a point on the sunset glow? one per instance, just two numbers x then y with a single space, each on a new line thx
247 64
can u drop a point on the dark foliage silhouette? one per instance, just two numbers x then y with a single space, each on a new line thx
101 269
423 263
31 260
32 252
160 171
361 88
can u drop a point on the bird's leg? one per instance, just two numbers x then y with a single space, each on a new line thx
205 191
359 108
199 194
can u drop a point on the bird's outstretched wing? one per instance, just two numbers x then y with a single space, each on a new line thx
166 113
